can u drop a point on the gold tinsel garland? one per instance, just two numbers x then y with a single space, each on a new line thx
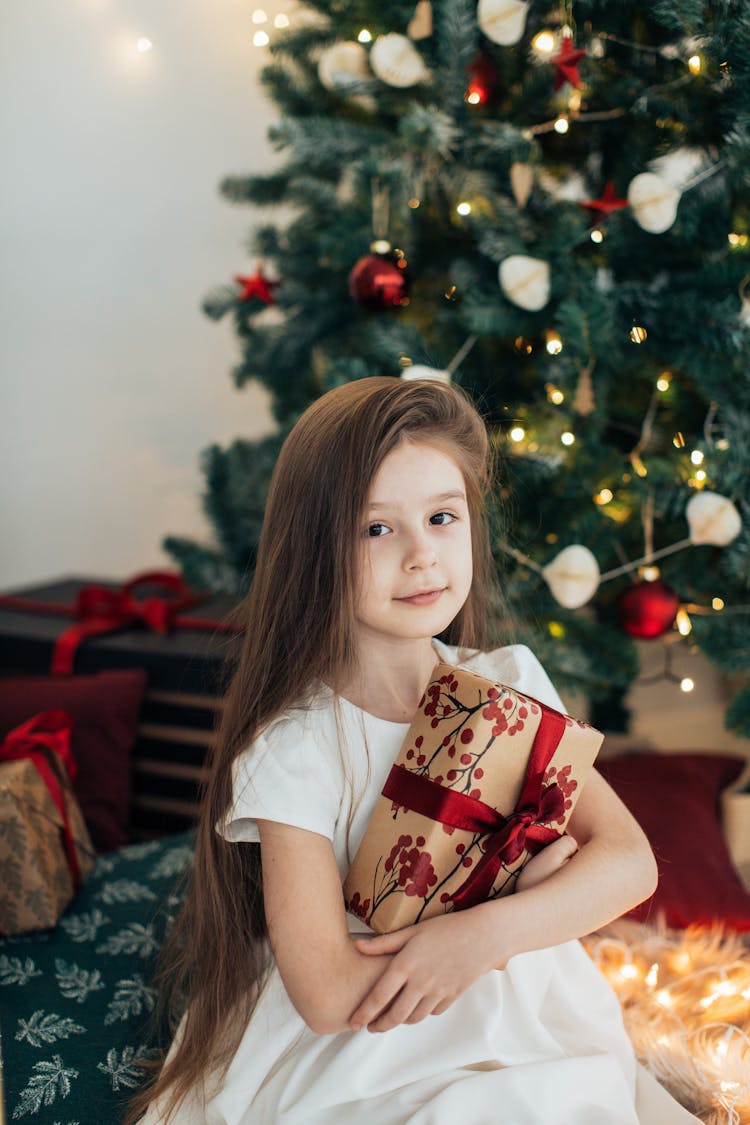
685 997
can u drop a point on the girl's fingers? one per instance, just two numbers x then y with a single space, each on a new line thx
400 1011
384 943
377 1000
443 1006
424 1008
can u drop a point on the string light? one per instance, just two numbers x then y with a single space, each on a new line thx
556 630
700 475
414 203
544 42
697 457
683 622
597 235
686 684
364 36
717 603
735 239
567 438
662 383
259 16
554 394
554 344
694 64
561 124
260 39
144 45
517 433
464 208
603 496
281 20
678 441
473 97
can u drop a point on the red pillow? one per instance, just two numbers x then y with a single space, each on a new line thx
675 799
105 708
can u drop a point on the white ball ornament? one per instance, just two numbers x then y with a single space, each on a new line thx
525 281
653 201
712 519
396 60
572 576
343 64
502 21
421 371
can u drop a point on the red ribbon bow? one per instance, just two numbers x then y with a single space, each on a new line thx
101 610
508 836
48 733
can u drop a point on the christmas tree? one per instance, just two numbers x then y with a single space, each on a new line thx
546 204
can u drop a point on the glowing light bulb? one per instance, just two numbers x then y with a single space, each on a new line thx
662 383
665 998
681 961
683 622
414 203
281 20
697 457
556 630
380 246
687 685
473 98
554 394
603 496
567 438
144 45
259 16
629 971
364 36
464 208
651 975
694 64
649 573
678 441
717 603
700 474
260 39
638 334
561 125
544 42
517 433
596 235
554 344
722 444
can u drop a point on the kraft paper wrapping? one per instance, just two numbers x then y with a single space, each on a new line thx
508 759
35 879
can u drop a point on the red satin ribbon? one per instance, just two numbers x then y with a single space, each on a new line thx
48 731
100 610
508 836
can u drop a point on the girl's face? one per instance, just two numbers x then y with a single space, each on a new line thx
415 550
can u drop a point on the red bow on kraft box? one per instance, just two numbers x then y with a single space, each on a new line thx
486 777
45 849
152 599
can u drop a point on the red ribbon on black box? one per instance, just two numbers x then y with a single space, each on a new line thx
101 609
48 733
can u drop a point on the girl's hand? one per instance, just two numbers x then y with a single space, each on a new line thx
433 963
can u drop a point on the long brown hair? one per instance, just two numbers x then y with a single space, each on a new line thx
299 632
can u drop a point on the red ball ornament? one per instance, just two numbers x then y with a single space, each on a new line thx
648 609
380 281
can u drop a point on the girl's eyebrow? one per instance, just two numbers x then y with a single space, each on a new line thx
438 499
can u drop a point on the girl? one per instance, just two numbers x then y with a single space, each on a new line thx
375 563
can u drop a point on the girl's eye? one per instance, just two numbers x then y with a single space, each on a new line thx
442 518
376 530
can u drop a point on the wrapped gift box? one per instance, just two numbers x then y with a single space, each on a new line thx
485 778
38 875
184 669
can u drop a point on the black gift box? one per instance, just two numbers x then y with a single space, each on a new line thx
186 678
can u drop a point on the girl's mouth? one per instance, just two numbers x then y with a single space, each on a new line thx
427 598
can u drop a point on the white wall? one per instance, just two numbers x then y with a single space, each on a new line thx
112 230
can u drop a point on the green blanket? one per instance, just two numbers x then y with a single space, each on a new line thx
75 1000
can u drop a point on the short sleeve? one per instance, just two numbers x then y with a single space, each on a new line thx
516 666
290 775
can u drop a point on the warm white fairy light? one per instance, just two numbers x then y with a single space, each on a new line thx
464 208
260 39
697 457
603 496
683 622
596 235
717 603
554 344
544 42
567 438
629 971
281 20
144 45
694 64
518 433
652 975
259 16
687 685
665 998
700 475
662 383
561 124
365 36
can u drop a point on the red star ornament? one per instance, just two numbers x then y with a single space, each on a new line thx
602 208
566 64
256 286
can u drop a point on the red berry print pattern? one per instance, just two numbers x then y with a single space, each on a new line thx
566 783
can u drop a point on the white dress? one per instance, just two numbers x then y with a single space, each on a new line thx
539 1043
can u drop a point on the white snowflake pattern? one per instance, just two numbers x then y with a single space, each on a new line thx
126 1069
172 863
13 971
124 890
140 851
46 1027
105 865
131 998
49 1080
76 983
84 927
134 938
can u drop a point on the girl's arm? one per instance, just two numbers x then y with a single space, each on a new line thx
612 871
325 976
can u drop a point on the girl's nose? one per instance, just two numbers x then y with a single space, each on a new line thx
420 553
